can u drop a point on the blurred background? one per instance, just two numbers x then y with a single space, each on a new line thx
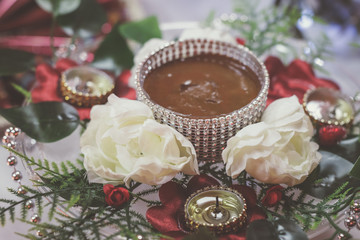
26 26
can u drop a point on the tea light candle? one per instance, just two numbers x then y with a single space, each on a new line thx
220 209
327 106
85 86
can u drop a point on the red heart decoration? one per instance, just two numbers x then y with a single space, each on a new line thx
164 218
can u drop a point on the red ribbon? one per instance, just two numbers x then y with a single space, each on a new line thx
294 79
168 218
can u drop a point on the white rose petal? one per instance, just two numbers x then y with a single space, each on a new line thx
123 142
148 47
208 33
277 150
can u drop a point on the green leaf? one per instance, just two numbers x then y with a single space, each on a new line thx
23 91
86 21
73 200
113 53
355 44
282 229
45 121
333 173
59 7
15 61
141 31
355 171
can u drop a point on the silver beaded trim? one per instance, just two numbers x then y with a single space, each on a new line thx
209 136
9 140
352 218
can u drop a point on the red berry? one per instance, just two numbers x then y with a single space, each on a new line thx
240 41
330 135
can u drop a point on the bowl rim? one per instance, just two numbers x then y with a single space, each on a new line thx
263 90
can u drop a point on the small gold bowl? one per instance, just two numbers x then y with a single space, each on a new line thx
221 210
85 86
327 106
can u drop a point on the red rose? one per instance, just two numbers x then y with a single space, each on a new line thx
294 79
115 196
272 196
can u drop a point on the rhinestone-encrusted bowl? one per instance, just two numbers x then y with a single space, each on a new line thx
208 135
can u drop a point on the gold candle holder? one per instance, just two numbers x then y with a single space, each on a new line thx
220 209
327 106
85 86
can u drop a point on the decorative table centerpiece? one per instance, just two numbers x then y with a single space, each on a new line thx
186 159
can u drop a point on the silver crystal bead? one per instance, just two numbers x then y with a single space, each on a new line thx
12 131
11 144
16 175
35 218
21 190
350 222
355 207
29 204
11 161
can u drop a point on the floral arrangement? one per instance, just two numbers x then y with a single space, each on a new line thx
128 158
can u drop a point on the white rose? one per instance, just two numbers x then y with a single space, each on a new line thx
123 142
208 33
148 47
276 150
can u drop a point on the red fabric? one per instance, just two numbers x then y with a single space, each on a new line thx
272 196
294 79
47 84
115 196
168 218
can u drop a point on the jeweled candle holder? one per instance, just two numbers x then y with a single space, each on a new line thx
221 210
327 106
85 86
208 135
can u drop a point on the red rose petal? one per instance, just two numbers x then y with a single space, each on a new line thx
64 64
248 193
274 65
84 113
199 182
294 79
107 188
171 193
163 218
121 86
47 84
255 213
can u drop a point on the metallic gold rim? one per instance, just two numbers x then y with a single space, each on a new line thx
321 121
232 225
78 98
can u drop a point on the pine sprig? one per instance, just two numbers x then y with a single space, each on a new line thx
65 186
262 28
